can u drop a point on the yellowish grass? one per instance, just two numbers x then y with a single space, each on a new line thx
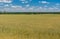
43 26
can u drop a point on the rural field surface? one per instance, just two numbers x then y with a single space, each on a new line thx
21 26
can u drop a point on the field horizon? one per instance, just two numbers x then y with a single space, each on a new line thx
29 12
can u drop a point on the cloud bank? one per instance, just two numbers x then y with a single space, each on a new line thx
15 8
26 6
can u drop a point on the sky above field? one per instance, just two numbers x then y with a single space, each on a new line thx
30 5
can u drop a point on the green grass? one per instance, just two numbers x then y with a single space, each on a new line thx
42 26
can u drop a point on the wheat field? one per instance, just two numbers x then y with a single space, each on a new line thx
21 26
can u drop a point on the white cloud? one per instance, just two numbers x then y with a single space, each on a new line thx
44 2
6 1
27 5
50 8
24 1
6 5
46 6
15 6
57 3
31 9
28 8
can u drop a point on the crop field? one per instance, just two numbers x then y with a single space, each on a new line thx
22 26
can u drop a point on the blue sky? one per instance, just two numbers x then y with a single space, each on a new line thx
30 5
